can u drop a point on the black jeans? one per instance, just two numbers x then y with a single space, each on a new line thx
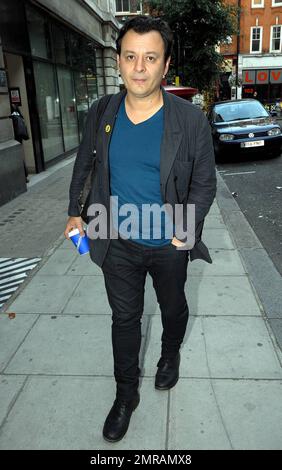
125 268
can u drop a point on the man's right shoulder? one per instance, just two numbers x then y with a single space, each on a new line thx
99 101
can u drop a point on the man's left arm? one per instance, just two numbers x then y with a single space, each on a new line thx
202 186
203 182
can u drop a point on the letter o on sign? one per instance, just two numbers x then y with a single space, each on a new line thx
262 76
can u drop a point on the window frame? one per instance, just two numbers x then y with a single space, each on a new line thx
271 38
258 6
123 11
276 4
251 39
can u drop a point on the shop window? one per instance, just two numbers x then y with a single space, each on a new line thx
77 44
39 34
92 86
80 85
47 97
61 45
68 108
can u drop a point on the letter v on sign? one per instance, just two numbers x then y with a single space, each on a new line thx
276 74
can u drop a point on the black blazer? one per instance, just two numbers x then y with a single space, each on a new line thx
187 166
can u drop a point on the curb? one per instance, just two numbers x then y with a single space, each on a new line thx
264 277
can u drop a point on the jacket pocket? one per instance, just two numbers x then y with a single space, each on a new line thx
182 175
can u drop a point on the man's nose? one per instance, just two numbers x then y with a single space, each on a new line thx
139 64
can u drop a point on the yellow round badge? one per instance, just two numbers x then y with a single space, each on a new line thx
108 128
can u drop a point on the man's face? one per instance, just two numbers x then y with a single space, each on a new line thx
141 62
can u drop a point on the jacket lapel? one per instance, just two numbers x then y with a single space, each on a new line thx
106 129
172 137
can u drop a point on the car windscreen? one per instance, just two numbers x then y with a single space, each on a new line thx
239 111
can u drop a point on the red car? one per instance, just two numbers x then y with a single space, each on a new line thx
184 92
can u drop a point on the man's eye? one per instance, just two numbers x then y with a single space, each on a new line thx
130 57
151 58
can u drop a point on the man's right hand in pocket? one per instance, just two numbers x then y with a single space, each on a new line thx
72 223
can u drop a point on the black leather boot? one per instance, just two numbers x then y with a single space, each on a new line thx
118 419
168 373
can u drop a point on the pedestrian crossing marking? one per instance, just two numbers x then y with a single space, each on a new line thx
13 272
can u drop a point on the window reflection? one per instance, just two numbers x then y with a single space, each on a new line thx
68 108
81 99
92 87
48 109
61 46
39 34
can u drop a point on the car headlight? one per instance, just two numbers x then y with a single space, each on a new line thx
226 137
274 131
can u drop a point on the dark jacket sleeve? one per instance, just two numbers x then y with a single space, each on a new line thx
83 162
203 182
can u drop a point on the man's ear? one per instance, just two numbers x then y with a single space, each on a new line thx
167 65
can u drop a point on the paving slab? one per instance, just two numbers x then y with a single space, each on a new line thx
194 418
9 389
252 412
217 238
221 295
12 333
58 263
67 245
224 347
225 263
214 221
240 348
84 266
69 412
45 294
89 297
67 345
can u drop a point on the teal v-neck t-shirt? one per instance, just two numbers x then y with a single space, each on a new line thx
134 163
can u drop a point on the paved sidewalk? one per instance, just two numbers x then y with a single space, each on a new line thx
57 386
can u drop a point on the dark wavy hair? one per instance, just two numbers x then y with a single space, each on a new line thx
144 24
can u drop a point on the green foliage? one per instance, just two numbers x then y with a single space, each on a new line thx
198 26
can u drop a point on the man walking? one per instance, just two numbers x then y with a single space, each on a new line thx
151 148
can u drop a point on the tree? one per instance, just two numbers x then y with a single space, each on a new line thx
198 26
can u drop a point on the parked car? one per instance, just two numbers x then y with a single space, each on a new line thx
185 92
243 126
